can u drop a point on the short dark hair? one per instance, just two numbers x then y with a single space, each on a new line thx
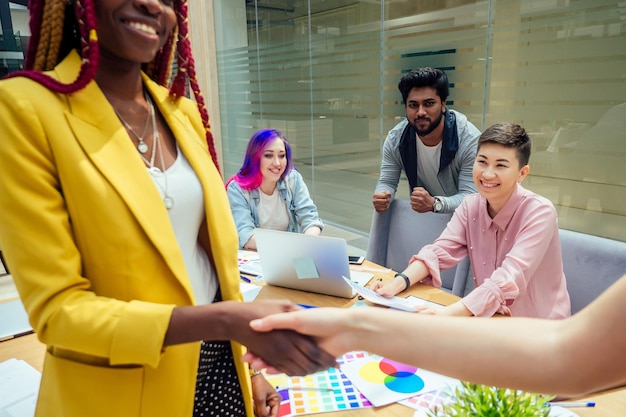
510 135
425 77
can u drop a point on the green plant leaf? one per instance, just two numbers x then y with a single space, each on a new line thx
475 400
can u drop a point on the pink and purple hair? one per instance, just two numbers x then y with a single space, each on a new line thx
249 176
58 26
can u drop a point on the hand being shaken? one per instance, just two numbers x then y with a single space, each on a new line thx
283 350
324 324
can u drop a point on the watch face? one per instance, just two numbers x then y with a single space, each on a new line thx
438 205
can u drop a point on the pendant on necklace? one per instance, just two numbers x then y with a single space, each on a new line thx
169 202
142 146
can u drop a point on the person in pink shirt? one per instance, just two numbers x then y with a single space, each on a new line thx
510 234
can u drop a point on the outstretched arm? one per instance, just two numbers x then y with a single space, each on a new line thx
574 356
228 320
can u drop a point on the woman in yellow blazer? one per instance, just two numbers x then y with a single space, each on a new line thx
90 225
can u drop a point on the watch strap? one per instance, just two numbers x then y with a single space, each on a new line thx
407 281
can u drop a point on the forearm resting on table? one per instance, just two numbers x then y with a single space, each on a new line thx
250 244
416 271
313 231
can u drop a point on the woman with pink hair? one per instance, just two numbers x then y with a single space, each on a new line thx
268 193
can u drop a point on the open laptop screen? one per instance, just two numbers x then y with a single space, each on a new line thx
303 262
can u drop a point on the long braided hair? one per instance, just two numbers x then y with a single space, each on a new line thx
57 27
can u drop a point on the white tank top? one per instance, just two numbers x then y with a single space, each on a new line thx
186 217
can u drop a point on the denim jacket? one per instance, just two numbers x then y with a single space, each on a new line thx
458 153
293 191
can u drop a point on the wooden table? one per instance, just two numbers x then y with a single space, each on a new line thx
608 403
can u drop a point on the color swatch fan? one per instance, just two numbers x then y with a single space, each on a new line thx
321 392
383 381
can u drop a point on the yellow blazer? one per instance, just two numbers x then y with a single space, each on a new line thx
93 253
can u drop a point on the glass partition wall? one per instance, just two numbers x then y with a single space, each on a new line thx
325 72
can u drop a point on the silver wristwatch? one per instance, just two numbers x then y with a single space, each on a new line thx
438 206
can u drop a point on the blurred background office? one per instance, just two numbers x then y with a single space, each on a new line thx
325 72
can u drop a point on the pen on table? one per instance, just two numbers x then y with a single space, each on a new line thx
567 404
246 279
306 306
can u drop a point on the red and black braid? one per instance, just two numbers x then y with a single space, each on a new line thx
36 13
90 52
49 44
161 67
187 68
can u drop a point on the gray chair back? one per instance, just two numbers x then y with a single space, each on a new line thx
399 233
591 265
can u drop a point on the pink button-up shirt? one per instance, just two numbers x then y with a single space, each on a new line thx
516 256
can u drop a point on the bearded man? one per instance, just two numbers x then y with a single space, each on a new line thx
435 147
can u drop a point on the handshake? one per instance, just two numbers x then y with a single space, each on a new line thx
283 337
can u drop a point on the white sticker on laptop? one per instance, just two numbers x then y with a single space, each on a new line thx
305 268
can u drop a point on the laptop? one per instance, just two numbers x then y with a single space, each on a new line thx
307 263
